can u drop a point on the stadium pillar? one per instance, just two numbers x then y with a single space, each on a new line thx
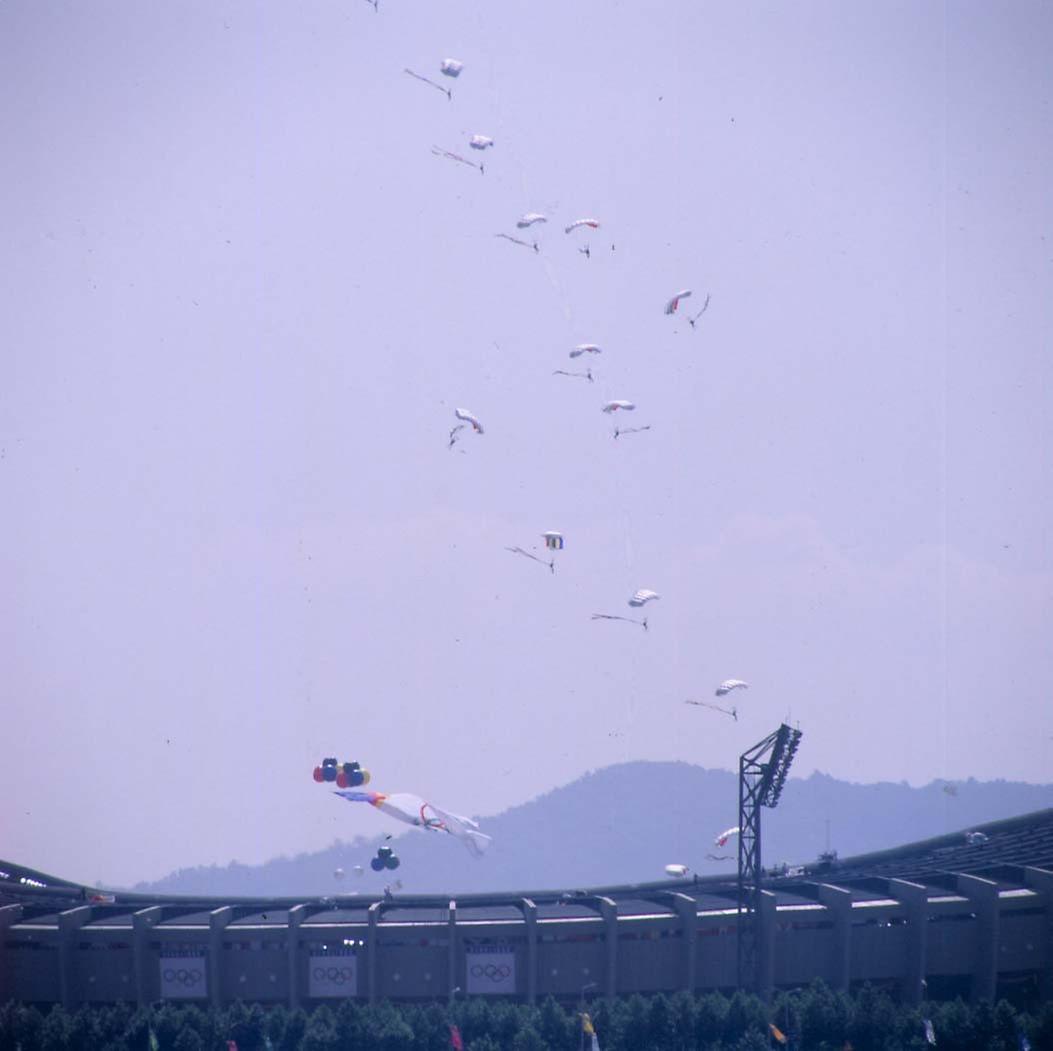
687 909
451 951
838 902
69 923
765 928
1040 880
529 910
609 912
983 893
297 914
915 897
9 915
217 922
373 949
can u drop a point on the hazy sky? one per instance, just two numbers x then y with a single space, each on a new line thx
242 299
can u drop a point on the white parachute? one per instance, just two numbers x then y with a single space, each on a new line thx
726 835
670 307
339 874
586 348
578 223
614 406
451 67
464 414
731 684
643 596
530 219
480 142
676 871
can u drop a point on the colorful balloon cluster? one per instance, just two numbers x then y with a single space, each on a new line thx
346 775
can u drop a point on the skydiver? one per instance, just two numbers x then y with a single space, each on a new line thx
585 252
692 320
628 620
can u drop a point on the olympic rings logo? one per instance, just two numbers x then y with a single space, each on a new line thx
185 976
339 975
494 972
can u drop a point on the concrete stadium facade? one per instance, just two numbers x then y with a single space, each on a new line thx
941 918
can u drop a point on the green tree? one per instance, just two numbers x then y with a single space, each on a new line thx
711 1013
57 1031
20 1026
873 1021
557 1029
321 1034
528 1039
189 1040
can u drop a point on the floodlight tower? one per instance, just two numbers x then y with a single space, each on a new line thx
762 774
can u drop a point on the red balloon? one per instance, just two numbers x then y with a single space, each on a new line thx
318 774
341 779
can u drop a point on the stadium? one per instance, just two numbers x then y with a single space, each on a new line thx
960 915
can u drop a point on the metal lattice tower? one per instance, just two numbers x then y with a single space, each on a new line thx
762 774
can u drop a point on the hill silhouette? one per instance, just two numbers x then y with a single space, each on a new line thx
622 824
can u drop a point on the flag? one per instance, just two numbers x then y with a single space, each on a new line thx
930 1033
588 1030
776 1032
455 1038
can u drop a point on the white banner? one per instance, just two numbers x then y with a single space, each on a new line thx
332 976
184 977
490 971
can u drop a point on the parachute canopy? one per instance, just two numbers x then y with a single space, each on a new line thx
464 414
670 307
731 684
529 219
643 596
480 142
553 540
451 67
578 223
614 406
418 812
676 871
726 835
585 348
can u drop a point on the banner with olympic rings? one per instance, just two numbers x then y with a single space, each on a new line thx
490 971
332 976
184 977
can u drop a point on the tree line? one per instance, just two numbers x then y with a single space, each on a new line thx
811 1019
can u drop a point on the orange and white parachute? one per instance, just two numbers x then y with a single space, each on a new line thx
578 223
614 406
586 348
464 414
726 835
671 306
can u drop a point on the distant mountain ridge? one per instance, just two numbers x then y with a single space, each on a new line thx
622 824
